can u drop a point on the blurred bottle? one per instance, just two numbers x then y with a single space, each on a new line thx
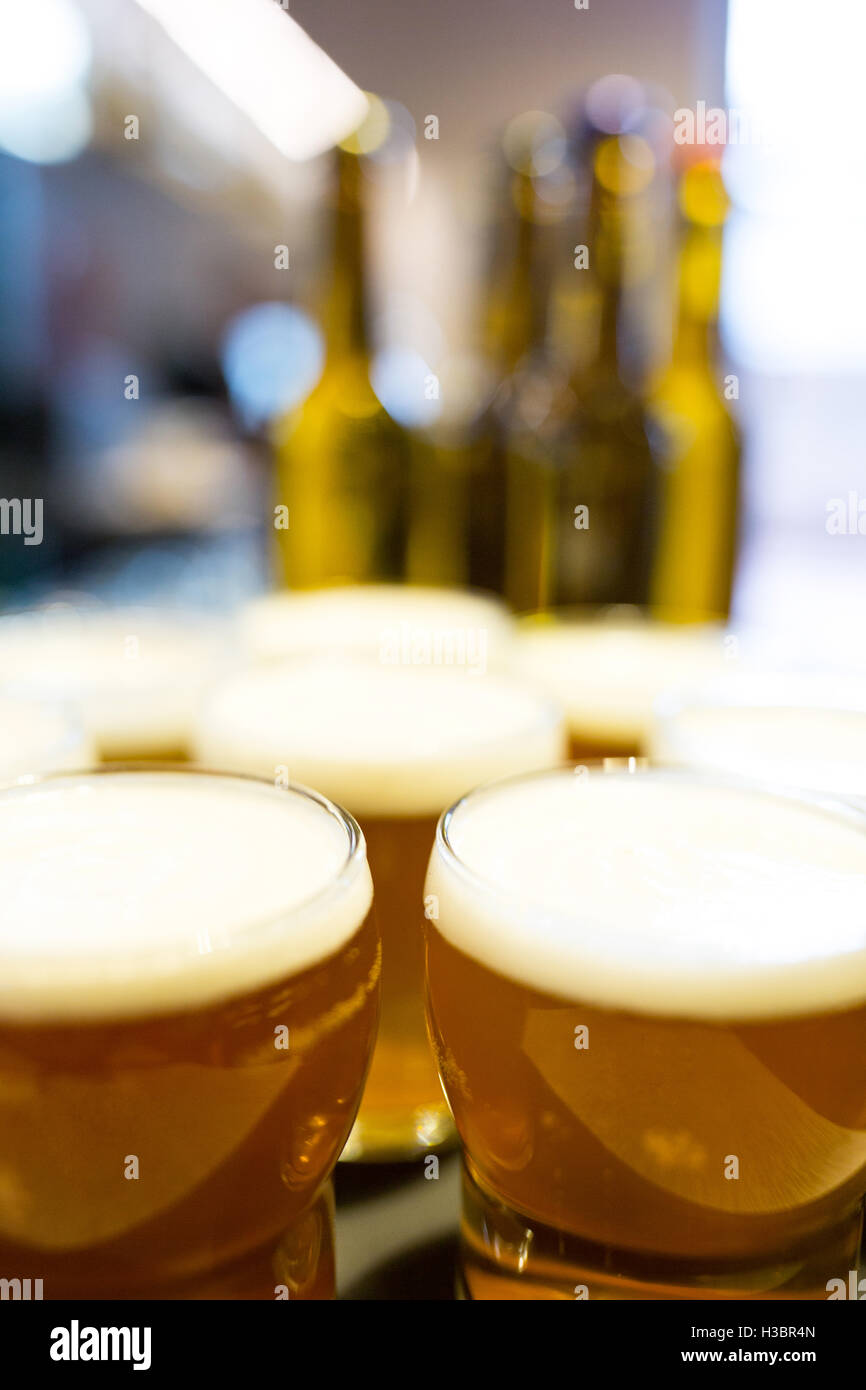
342 460
441 461
460 491
582 479
695 437
516 327
618 105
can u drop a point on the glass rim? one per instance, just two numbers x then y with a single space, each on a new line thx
351 866
94 610
200 667
809 693
547 712
448 592
849 812
765 691
487 613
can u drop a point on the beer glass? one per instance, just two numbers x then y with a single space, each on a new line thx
132 676
647 997
800 730
394 743
188 993
394 623
607 669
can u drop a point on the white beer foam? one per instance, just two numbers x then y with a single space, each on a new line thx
134 892
133 676
659 892
607 675
402 623
757 728
35 737
382 740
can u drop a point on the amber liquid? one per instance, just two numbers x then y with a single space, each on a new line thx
585 749
186 1155
403 1111
666 1158
123 757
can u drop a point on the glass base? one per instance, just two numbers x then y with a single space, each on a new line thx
394 1137
297 1266
508 1256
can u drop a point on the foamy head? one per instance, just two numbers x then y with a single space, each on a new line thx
399 624
145 892
792 730
382 740
37 737
658 892
134 677
607 675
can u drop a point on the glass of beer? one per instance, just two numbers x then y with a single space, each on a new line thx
391 622
797 729
647 996
395 743
132 676
606 669
188 994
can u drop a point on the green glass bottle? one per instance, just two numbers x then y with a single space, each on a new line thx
516 349
342 462
583 483
696 438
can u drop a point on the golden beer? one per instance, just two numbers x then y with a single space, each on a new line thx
647 995
394 742
133 677
397 624
188 993
798 730
607 670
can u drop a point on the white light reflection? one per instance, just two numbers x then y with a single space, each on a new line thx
262 60
272 357
45 56
406 387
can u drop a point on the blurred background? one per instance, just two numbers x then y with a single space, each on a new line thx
229 359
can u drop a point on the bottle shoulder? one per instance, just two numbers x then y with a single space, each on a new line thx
562 408
691 391
343 399
346 375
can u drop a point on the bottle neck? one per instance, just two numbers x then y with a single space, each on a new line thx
525 325
693 341
609 325
345 318
607 260
699 281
